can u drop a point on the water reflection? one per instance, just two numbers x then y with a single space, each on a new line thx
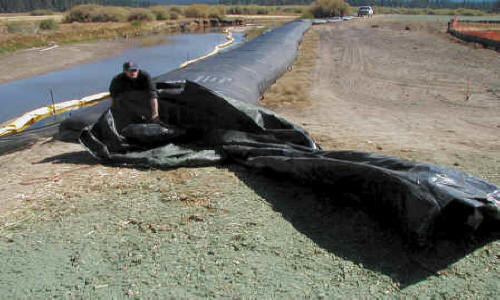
20 96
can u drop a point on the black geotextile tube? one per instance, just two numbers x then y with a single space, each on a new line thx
201 127
68 130
242 73
195 124
210 118
26 138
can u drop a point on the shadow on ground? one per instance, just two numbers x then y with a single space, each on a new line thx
342 229
348 232
77 158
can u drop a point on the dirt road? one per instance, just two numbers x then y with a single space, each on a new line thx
411 93
71 227
22 17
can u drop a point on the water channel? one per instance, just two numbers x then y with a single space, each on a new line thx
18 97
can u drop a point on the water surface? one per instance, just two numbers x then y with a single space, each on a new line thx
18 97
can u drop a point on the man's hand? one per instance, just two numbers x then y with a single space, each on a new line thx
154 108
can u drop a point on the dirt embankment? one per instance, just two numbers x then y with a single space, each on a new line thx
71 227
31 62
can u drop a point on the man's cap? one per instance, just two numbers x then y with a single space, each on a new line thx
129 66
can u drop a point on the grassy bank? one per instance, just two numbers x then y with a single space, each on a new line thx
31 35
94 22
84 23
255 32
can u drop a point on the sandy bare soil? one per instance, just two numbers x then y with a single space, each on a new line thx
23 17
71 227
411 93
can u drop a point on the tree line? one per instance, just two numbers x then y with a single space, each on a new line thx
481 4
265 2
61 5
478 4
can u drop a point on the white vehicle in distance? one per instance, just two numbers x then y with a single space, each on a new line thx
365 11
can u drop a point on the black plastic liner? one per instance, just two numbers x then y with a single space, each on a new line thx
419 199
196 123
27 138
71 128
242 74
208 116
68 130
203 128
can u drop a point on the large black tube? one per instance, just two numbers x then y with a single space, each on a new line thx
242 73
208 116
245 73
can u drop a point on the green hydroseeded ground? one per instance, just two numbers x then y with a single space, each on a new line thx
228 233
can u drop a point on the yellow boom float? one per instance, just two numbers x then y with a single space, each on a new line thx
30 118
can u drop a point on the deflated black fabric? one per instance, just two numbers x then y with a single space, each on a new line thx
211 120
418 198
208 117
242 74
71 128
196 119
151 134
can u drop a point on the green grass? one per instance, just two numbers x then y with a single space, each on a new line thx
28 35
41 12
22 27
160 12
141 14
266 10
255 32
96 13
220 233
49 24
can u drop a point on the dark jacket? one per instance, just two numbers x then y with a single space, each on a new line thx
122 83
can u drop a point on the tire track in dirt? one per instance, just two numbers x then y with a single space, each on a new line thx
382 88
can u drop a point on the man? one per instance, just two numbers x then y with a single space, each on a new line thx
133 79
